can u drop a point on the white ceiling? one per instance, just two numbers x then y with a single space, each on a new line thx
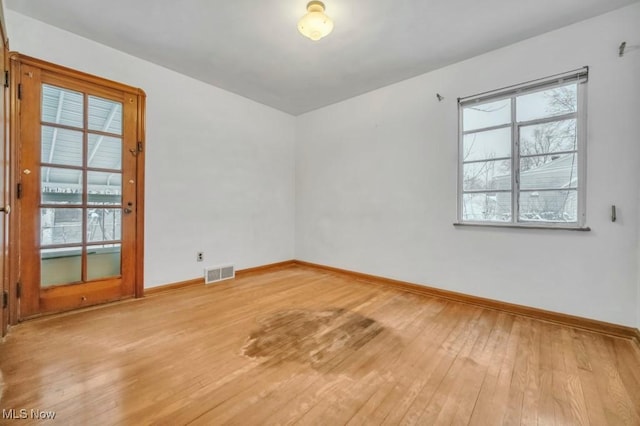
253 48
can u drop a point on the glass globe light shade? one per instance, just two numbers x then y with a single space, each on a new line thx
315 24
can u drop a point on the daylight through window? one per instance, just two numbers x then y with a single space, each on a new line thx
522 154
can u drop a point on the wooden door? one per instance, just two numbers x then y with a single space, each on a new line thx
79 188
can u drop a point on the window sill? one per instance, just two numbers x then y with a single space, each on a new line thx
524 226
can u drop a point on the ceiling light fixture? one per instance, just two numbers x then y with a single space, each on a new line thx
315 24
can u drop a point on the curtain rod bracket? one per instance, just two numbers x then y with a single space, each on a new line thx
623 46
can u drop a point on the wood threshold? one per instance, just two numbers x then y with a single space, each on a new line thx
526 311
200 281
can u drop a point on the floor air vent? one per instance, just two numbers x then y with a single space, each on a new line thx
218 273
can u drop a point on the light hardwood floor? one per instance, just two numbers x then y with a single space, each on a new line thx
299 345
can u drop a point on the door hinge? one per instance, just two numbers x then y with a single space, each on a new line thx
18 290
140 147
20 91
6 79
5 299
19 191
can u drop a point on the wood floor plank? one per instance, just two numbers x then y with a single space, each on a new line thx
593 400
486 406
440 308
296 408
618 404
460 337
238 374
406 367
464 378
530 378
574 394
299 345
492 407
627 361
245 399
406 399
369 366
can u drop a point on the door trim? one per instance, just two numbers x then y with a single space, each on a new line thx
5 199
139 250
16 60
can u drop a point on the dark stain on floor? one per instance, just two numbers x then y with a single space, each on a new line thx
310 336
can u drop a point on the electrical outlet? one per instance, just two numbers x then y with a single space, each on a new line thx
200 256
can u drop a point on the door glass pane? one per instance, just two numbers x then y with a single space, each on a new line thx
60 266
487 206
549 206
105 115
61 146
60 226
104 188
62 106
61 186
104 224
104 152
103 261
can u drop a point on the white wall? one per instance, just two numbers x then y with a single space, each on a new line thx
376 181
219 167
375 176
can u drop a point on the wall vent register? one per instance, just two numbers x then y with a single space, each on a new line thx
219 273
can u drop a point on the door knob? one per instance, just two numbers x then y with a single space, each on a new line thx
6 209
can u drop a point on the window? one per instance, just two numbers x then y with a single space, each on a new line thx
522 154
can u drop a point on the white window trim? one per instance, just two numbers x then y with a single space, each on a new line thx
579 75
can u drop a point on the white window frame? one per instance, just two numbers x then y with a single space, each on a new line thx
580 77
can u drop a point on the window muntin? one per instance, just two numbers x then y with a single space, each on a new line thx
522 155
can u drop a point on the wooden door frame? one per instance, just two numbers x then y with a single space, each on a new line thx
5 196
17 59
